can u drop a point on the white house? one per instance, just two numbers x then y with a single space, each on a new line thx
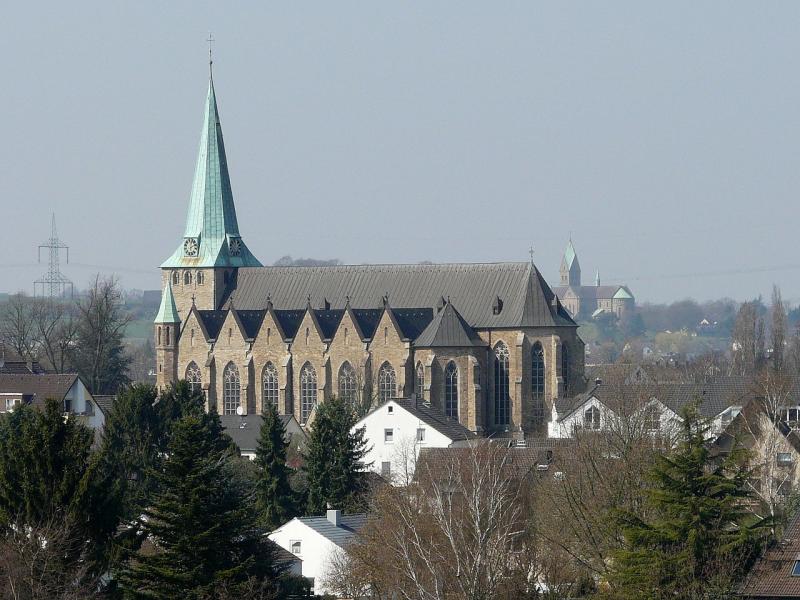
317 541
396 430
36 388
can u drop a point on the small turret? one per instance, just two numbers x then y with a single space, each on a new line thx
167 329
570 268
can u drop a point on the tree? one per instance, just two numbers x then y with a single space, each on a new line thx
700 537
333 463
201 522
275 499
777 329
748 339
98 353
18 327
55 328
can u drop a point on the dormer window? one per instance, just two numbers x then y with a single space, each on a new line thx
796 567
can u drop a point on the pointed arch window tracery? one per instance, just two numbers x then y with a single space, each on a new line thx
269 385
347 382
387 382
451 390
232 389
502 400
308 391
419 381
537 370
194 378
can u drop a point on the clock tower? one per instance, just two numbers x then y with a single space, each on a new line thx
212 249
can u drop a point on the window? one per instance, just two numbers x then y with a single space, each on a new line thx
419 381
166 335
193 378
502 402
591 418
652 419
159 336
388 436
191 338
790 416
297 547
269 385
187 278
232 389
537 370
476 374
308 391
347 383
199 277
386 469
783 459
10 404
565 366
390 409
421 434
451 390
387 382
796 569
176 278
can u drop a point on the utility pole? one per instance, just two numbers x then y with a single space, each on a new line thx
53 284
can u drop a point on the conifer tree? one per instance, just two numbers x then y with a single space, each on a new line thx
200 522
333 460
699 535
275 498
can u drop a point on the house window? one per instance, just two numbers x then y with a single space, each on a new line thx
308 391
421 434
791 416
10 404
652 419
386 469
388 436
387 382
537 370
193 378
297 547
390 409
269 385
347 383
784 459
419 381
591 418
451 390
502 401
796 569
232 390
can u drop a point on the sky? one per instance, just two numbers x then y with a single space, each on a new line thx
663 137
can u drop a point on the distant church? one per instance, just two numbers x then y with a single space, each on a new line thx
585 301
490 345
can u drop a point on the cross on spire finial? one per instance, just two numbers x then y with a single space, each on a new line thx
530 251
210 41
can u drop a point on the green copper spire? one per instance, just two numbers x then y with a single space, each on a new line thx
211 237
167 312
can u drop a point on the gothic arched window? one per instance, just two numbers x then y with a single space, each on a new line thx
269 385
502 401
308 391
194 378
387 382
419 382
176 278
232 389
347 383
451 390
565 366
591 418
199 278
537 370
187 278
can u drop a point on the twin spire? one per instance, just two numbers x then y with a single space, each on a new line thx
211 237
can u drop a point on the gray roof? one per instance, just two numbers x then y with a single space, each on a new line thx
433 418
448 329
105 402
38 387
527 300
244 431
349 525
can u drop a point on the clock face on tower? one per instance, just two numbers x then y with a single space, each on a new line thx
190 247
235 247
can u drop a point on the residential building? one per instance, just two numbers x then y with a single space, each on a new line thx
398 429
490 345
317 541
11 363
245 431
776 575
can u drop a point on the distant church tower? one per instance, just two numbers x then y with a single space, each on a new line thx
167 328
570 268
212 249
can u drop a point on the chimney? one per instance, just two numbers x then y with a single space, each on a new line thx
335 517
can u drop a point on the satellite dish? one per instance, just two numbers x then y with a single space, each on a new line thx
240 411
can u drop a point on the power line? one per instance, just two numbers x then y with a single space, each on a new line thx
53 284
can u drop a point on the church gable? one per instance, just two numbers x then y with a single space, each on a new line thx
270 331
309 332
232 331
388 331
348 332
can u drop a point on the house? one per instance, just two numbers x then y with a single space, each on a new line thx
68 388
776 574
288 562
396 430
11 363
245 431
317 541
658 404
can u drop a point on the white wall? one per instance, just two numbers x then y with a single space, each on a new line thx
81 400
316 551
403 451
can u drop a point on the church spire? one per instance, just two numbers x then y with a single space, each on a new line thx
211 236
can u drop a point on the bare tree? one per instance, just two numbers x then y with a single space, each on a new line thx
748 340
55 328
777 329
18 326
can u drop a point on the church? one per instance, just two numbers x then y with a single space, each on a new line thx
490 345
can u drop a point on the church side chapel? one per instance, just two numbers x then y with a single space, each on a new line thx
489 345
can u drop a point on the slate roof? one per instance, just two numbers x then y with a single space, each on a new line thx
251 321
212 321
368 319
246 438
412 321
771 575
349 525
526 297
448 329
328 321
433 418
106 403
37 388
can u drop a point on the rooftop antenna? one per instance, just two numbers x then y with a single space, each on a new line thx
53 284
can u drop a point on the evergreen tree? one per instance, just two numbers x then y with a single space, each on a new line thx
200 522
275 499
698 536
333 461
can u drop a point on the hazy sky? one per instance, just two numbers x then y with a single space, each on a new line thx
664 137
